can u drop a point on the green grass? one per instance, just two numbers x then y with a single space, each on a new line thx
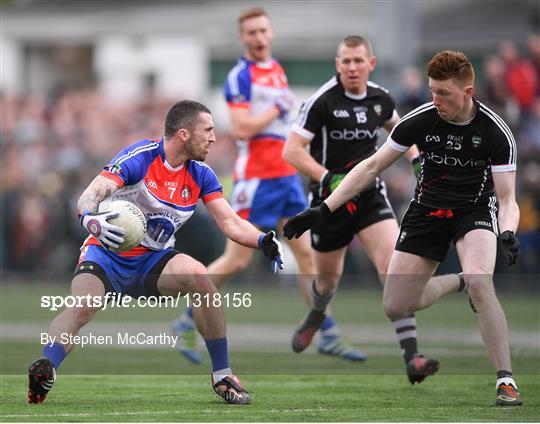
113 384
279 305
16 356
275 399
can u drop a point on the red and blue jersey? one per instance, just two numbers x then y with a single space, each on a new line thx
256 87
167 196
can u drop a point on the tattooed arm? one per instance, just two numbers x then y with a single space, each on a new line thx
98 190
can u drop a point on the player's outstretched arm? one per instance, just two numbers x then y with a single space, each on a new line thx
244 233
355 181
362 175
505 187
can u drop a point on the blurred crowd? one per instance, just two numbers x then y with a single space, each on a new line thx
53 146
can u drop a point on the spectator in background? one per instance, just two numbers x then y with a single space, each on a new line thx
520 77
413 92
495 92
533 43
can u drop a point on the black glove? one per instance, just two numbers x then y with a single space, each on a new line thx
329 183
297 225
510 246
416 164
271 247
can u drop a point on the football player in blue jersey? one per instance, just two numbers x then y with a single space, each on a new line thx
164 178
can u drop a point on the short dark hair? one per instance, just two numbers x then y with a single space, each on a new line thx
355 41
450 64
183 114
253 12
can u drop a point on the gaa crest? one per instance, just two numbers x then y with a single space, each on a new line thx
185 194
476 140
378 109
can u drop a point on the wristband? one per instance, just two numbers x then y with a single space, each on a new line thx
82 215
259 242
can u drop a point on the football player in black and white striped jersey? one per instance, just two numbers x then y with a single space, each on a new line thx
468 162
341 123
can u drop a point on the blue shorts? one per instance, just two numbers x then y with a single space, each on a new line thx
136 276
265 202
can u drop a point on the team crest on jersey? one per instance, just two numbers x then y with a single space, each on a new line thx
242 197
476 140
185 194
114 168
239 98
378 109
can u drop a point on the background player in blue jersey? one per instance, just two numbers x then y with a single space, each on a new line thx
164 178
267 189
468 156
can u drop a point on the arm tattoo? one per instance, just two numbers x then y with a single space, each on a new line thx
98 190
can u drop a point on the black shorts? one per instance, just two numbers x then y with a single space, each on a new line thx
428 232
369 207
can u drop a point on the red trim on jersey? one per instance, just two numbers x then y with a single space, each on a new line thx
212 196
136 251
113 177
238 105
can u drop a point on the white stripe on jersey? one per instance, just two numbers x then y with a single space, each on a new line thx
482 185
136 151
396 146
493 213
233 78
381 185
504 128
375 85
304 112
302 132
414 112
504 168
324 145
241 159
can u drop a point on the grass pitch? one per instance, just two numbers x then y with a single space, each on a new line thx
275 398
113 384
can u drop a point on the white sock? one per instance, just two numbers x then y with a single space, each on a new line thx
221 374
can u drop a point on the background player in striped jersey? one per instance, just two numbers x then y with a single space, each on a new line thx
267 189
341 124
468 156
164 178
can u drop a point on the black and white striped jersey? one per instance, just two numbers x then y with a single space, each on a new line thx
342 128
457 158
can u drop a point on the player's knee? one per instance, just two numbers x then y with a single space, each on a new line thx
203 285
186 265
479 287
81 315
394 310
326 284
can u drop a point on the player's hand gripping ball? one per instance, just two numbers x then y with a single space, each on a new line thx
120 227
132 220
